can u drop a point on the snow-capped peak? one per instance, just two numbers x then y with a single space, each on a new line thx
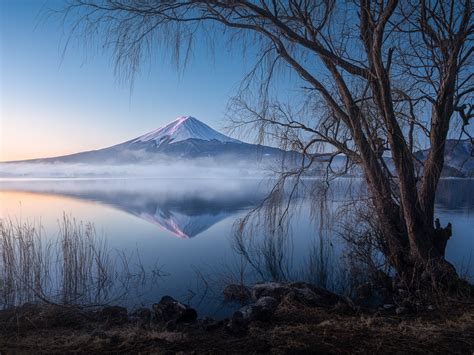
183 128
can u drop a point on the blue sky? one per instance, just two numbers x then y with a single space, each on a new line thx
55 105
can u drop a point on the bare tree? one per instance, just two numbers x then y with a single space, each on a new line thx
375 77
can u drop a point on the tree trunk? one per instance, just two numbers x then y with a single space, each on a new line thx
423 267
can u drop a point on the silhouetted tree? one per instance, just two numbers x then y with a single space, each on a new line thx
376 77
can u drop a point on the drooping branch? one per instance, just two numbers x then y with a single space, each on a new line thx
371 77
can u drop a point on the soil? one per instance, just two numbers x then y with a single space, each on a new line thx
294 328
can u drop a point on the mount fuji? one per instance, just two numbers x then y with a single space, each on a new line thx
181 129
184 138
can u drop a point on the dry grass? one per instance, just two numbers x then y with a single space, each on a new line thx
300 329
76 267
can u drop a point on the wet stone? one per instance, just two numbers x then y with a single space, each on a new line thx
169 309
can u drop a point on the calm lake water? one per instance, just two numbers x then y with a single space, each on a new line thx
184 229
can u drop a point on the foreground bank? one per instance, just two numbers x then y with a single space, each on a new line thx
277 318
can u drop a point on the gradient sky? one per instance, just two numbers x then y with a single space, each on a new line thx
54 105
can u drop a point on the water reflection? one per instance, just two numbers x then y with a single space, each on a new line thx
455 194
184 208
203 211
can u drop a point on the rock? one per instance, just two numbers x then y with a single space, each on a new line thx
265 306
248 312
112 315
235 292
301 292
272 289
168 309
312 295
306 296
261 310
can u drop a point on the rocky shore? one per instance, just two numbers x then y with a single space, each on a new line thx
276 317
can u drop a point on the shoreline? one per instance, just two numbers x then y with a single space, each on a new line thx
276 319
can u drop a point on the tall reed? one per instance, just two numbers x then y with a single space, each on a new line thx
76 267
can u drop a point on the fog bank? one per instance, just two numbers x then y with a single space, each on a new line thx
198 168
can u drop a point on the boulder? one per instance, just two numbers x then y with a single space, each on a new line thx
236 292
301 292
261 310
304 296
271 289
315 296
266 306
168 309
246 313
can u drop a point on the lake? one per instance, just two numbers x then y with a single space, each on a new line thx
179 234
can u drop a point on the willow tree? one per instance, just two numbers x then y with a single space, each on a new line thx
382 75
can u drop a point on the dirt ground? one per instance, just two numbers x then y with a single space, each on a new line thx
291 330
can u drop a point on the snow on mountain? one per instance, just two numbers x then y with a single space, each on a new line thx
182 225
181 129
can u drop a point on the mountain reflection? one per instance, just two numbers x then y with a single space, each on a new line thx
185 208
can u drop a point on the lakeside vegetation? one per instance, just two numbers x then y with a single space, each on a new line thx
65 294
77 267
